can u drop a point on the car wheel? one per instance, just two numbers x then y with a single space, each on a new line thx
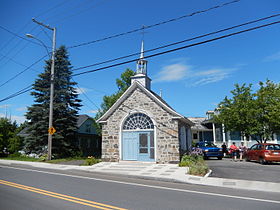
262 161
205 157
220 158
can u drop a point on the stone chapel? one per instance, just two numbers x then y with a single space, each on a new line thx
141 126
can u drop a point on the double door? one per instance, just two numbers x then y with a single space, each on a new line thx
138 146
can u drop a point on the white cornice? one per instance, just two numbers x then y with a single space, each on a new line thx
136 84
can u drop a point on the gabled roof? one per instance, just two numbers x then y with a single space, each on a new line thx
151 94
81 119
199 124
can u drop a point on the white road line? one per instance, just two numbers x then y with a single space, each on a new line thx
149 186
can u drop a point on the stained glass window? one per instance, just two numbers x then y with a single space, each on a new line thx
138 121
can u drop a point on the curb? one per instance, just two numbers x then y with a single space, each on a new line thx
190 179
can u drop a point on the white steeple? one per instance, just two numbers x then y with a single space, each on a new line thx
141 70
141 63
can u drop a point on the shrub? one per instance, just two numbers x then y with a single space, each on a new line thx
196 164
91 161
15 155
199 169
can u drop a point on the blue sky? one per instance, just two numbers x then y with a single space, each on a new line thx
192 80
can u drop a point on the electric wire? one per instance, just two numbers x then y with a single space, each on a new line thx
22 91
15 76
21 37
85 94
16 62
179 42
180 48
156 24
160 53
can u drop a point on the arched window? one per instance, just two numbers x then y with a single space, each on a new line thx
138 121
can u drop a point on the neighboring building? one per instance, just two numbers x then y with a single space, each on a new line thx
141 126
206 130
86 138
201 131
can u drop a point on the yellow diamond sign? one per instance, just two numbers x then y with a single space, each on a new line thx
52 130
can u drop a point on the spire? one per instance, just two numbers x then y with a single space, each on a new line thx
141 71
142 50
141 63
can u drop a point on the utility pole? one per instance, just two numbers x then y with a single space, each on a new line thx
51 129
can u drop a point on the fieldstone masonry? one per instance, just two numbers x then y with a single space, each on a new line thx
166 128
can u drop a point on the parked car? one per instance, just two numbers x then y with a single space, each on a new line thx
263 153
210 150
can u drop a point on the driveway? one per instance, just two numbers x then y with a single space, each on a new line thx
253 171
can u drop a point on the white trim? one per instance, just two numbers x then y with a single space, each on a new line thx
121 130
130 89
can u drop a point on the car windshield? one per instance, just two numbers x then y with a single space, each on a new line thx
207 144
273 147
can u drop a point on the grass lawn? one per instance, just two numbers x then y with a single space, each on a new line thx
86 161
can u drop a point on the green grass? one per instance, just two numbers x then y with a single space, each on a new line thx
57 161
21 158
88 161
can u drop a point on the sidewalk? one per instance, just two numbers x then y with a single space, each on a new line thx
162 172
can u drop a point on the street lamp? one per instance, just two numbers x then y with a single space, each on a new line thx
42 43
51 129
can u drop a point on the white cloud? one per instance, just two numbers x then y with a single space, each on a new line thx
21 109
173 72
191 75
273 57
81 90
92 111
18 119
4 106
210 76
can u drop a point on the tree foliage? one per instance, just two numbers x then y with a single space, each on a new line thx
122 83
268 109
65 109
251 113
9 141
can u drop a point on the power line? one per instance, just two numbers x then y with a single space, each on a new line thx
180 48
23 71
21 37
160 53
16 62
179 42
85 94
22 91
156 24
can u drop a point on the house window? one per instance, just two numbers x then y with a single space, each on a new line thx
195 136
88 128
138 121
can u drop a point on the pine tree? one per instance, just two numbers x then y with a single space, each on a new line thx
65 109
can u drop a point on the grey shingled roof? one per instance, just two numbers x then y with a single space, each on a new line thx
198 121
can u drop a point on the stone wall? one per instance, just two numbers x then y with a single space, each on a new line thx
167 138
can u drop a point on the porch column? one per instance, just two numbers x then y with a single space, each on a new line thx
214 133
224 134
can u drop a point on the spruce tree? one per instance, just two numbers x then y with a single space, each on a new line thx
65 110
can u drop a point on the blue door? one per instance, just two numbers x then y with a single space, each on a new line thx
130 145
138 146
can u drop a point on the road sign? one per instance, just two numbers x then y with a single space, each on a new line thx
52 130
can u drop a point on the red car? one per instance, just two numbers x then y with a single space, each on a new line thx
264 153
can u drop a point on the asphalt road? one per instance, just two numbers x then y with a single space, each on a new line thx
29 188
253 171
